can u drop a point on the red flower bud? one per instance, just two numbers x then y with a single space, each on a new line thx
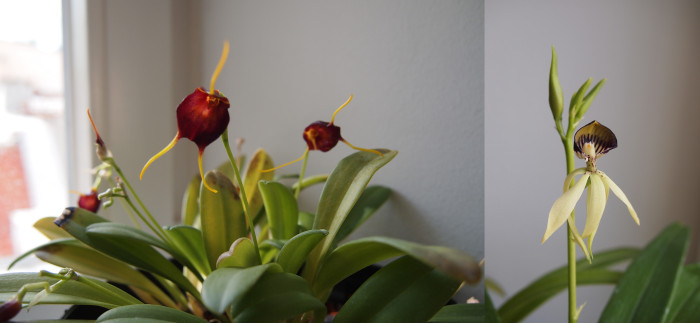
9 309
201 117
322 136
89 202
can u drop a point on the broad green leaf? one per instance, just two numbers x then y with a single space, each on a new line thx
221 214
253 174
241 254
228 285
72 292
134 252
459 313
405 290
343 187
190 201
73 254
643 293
50 229
188 241
277 297
294 252
685 301
281 209
371 199
269 249
127 232
147 313
550 284
353 256
306 221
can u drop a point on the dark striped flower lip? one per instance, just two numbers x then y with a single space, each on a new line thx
593 141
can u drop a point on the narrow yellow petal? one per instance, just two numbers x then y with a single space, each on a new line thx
286 164
578 239
363 149
201 174
563 206
595 205
160 153
219 66
621 195
570 177
340 108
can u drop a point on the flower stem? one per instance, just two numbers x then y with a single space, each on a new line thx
244 198
301 174
568 142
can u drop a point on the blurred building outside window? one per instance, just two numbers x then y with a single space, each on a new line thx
33 149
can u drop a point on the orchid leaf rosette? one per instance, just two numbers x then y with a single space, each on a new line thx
591 142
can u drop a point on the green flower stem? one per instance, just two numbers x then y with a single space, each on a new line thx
301 174
128 210
224 139
158 229
568 142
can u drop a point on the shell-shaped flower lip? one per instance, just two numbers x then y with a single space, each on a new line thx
593 141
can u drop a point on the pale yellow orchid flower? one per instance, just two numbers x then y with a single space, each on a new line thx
590 143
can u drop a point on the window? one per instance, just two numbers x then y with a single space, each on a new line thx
33 149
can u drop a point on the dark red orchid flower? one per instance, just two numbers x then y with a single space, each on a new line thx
9 309
89 201
323 136
201 117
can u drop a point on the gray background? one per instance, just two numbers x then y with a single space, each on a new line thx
648 53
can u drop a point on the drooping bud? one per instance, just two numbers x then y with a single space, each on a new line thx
89 201
9 309
102 152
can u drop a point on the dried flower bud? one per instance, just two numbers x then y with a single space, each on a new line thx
89 201
9 309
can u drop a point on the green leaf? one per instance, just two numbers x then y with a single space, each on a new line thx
123 231
685 301
148 314
343 187
490 315
228 285
277 297
188 241
190 201
50 229
72 292
241 254
281 209
406 290
253 174
353 256
306 221
550 284
221 214
294 252
371 199
131 251
459 313
71 253
643 293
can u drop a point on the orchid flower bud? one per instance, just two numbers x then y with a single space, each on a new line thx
323 136
9 309
89 201
201 117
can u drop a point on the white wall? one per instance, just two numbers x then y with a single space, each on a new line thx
648 53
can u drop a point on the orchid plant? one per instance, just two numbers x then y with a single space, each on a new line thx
244 252
656 287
